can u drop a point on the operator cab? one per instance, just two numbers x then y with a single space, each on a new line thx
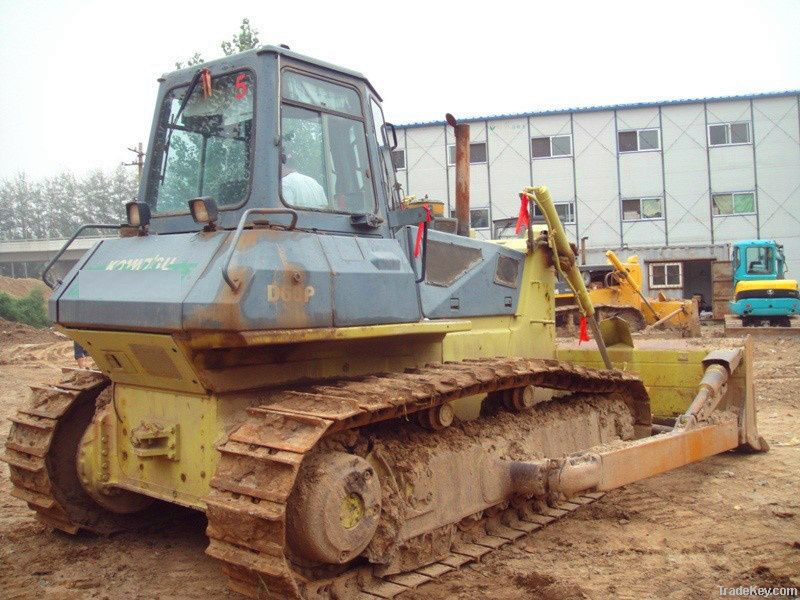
270 128
758 260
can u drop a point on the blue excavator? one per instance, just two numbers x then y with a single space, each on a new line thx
763 297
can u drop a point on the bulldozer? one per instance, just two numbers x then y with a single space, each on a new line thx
616 291
358 402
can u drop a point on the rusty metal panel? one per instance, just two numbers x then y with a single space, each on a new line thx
722 288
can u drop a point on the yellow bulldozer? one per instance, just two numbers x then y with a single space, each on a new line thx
616 291
357 401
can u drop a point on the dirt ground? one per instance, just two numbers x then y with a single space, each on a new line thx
18 287
729 521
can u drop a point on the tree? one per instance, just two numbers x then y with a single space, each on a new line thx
246 39
54 207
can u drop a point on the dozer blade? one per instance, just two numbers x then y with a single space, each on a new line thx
680 378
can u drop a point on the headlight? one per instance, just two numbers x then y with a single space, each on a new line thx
204 210
138 214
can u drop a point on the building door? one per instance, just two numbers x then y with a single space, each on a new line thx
722 282
697 282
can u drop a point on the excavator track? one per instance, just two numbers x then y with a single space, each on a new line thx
31 444
260 461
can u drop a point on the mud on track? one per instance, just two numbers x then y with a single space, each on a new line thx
731 520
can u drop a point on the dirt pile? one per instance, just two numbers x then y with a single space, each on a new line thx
13 334
19 287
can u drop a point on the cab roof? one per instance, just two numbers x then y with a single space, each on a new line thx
281 51
757 243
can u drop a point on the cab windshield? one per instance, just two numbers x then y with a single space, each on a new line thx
204 149
759 261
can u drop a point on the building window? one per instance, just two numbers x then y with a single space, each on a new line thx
733 203
551 146
666 275
477 154
399 159
505 229
728 134
639 140
565 210
478 217
641 209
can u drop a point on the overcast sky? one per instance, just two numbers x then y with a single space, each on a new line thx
78 77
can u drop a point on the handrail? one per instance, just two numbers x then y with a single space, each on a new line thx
240 228
67 244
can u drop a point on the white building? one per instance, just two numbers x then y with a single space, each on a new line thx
672 181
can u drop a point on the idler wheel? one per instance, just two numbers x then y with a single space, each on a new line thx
334 508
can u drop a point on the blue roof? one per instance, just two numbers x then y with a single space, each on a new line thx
559 111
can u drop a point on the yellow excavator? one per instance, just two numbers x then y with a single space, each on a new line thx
616 291
357 401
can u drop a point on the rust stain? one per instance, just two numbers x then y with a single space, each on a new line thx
290 293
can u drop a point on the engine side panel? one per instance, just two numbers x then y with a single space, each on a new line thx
287 280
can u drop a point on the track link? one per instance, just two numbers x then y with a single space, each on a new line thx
260 461
29 445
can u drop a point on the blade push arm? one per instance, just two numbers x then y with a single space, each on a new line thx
565 262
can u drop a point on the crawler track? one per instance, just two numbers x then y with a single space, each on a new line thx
261 459
31 446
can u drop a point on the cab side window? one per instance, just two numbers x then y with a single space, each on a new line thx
324 160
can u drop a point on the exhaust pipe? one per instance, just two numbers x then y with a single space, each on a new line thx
462 174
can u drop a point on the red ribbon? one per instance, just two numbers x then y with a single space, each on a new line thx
205 80
421 229
524 217
583 336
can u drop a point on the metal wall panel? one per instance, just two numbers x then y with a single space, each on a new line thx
731 168
728 111
509 165
594 147
637 118
640 176
777 138
549 125
683 142
425 161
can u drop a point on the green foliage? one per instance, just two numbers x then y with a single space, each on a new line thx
246 39
195 59
54 207
29 310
